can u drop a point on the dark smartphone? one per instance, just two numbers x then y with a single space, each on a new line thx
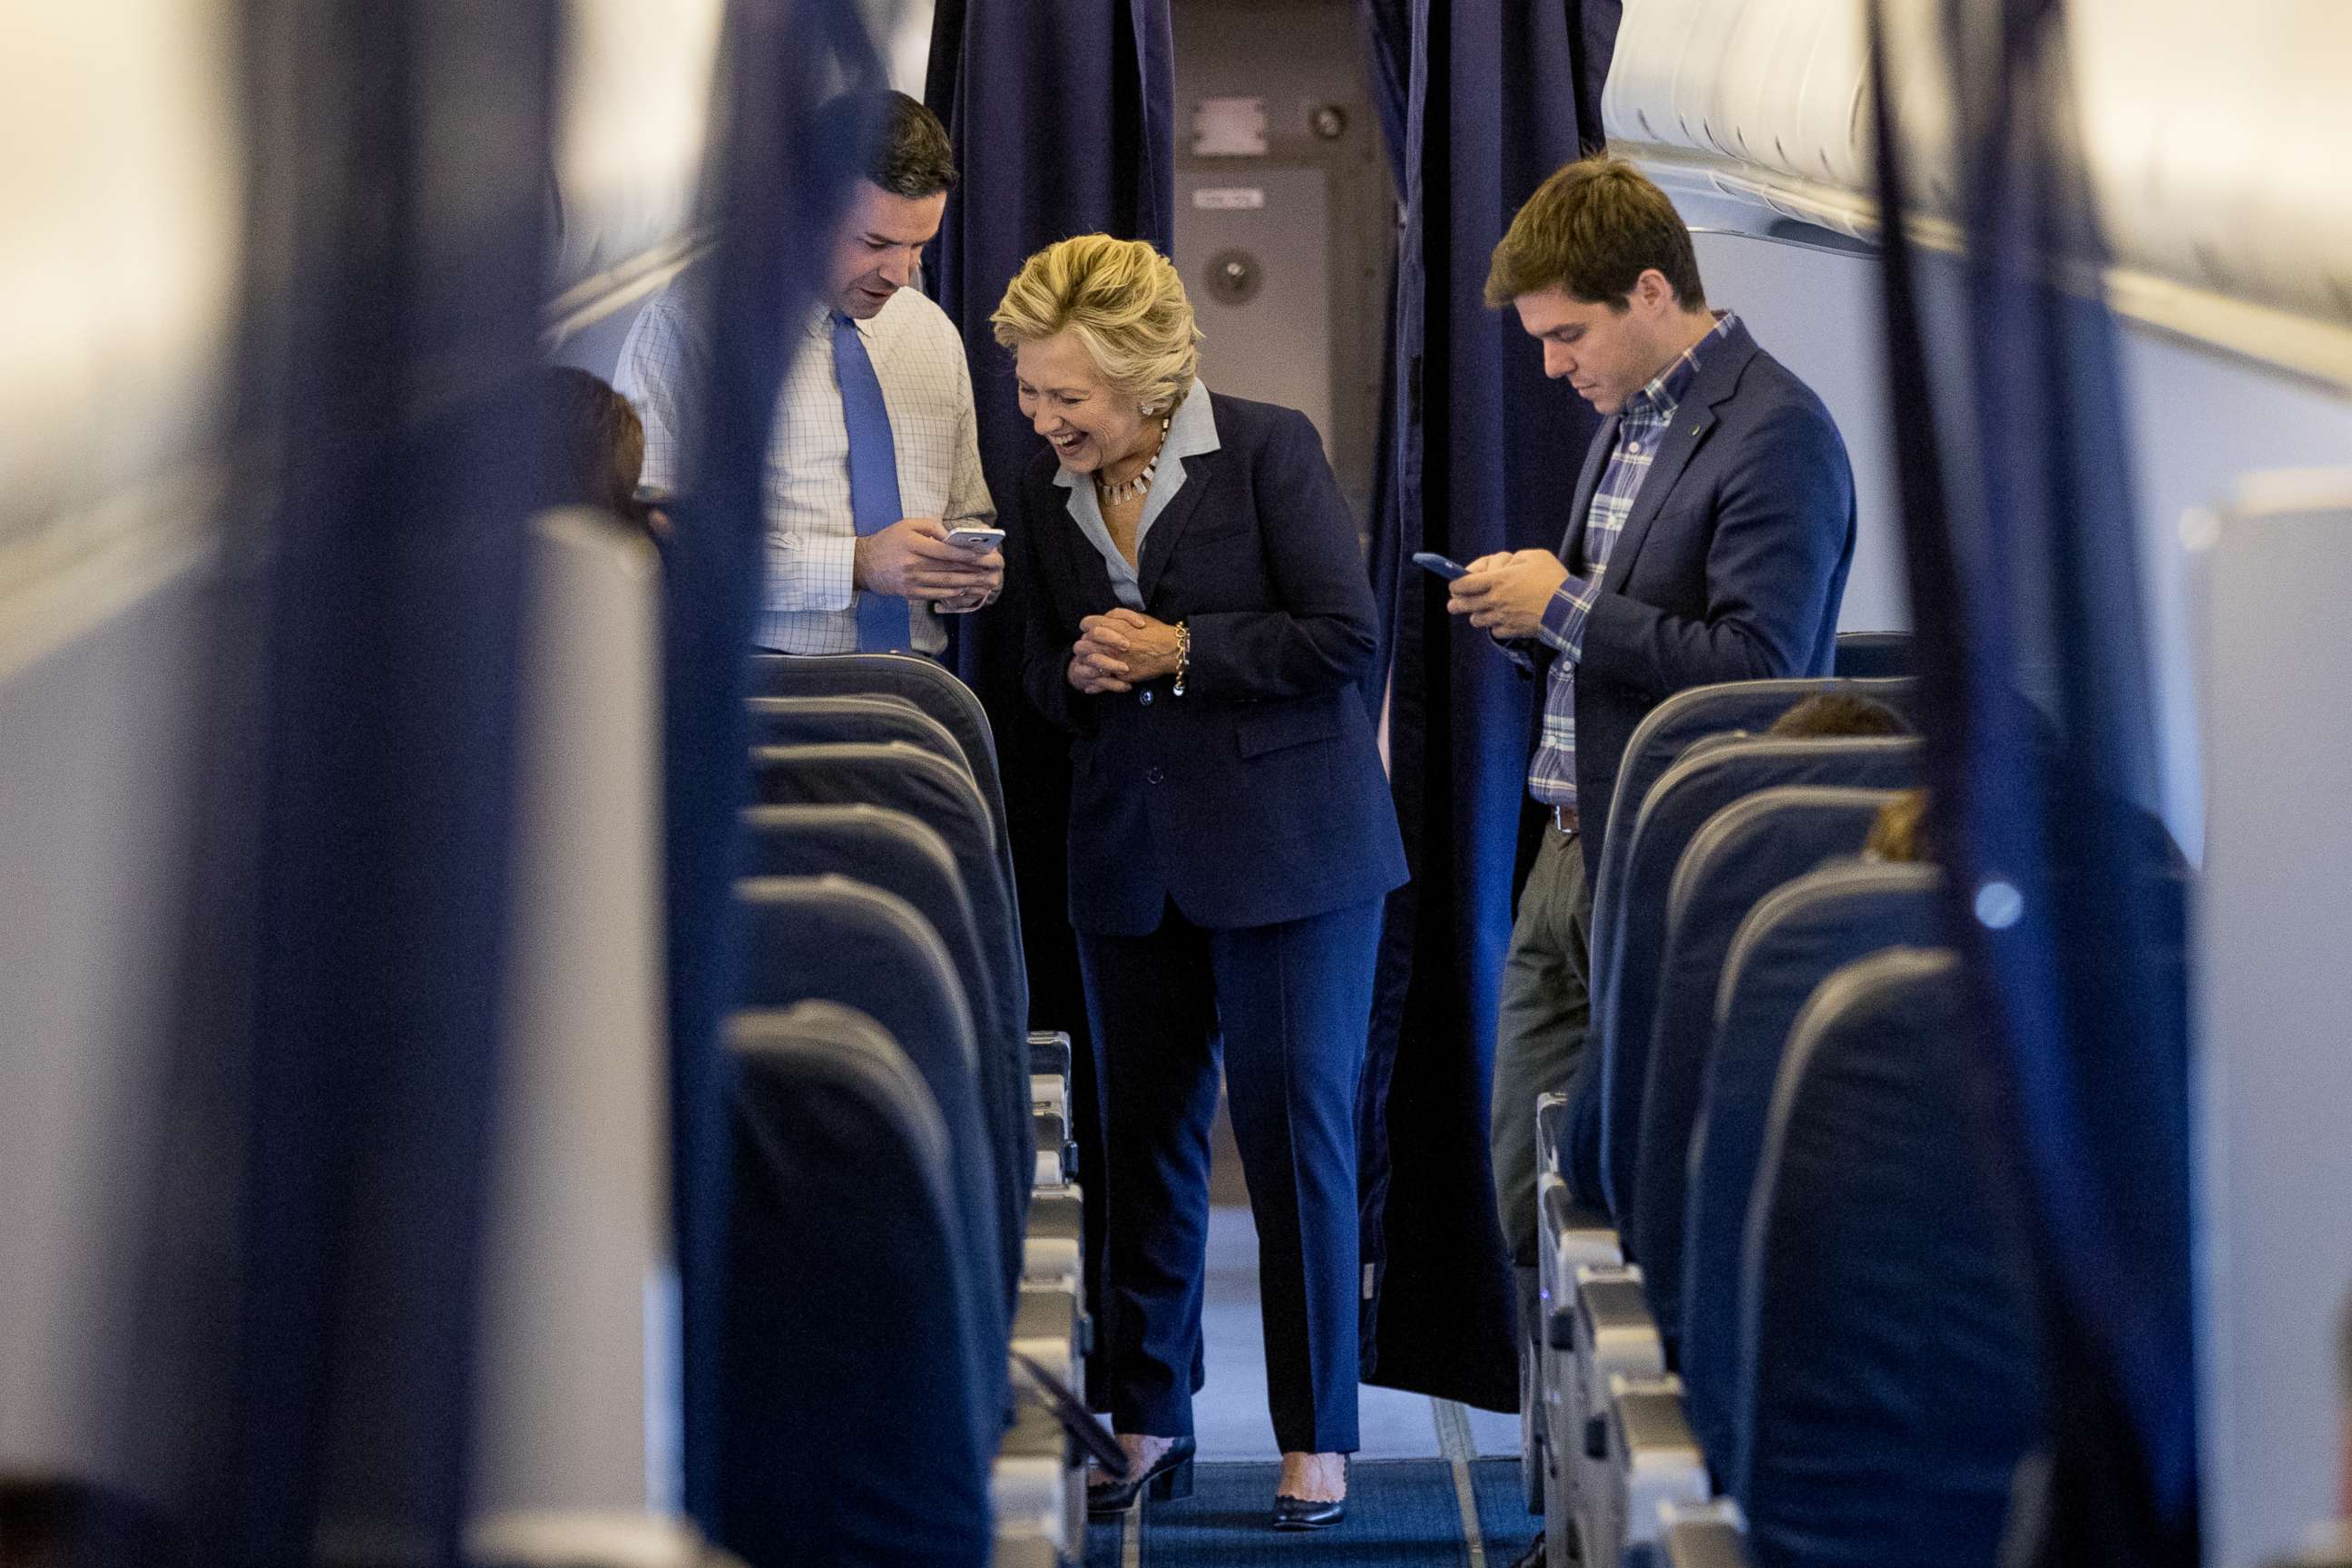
1430 561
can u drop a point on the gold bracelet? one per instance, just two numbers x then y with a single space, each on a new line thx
1184 655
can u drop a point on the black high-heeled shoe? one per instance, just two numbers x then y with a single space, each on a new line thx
1312 1513
1168 1476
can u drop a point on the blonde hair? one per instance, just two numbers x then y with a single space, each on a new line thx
1899 831
1123 299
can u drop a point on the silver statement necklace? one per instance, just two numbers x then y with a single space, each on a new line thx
1128 490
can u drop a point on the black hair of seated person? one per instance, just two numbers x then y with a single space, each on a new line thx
1840 714
599 442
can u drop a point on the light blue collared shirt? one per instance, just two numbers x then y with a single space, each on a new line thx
1191 430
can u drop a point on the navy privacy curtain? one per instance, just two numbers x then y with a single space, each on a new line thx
1481 100
2066 898
777 186
304 1365
1061 118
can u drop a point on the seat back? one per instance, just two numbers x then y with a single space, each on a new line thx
1875 656
1892 1369
1795 938
1746 850
829 939
1666 732
862 1394
1624 994
926 683
872 721
938 792
896 854
575 1382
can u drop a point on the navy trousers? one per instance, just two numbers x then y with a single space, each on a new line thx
1291 1002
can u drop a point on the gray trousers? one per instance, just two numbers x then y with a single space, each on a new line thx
1546 1007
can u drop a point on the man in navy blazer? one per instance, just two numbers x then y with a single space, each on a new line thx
1709 541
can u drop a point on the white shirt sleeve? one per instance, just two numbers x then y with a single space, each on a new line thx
661 373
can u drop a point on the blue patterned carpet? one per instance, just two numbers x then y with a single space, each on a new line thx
1401 1512
1503 1516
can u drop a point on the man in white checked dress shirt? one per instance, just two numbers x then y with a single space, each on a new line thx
831 554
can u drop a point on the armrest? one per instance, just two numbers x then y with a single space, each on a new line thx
1568 1237
1703 1535
558 1538
1652 1453
1056 1213
1049 1093
1615 1335
1025 1550
1051 1131
1049 1053
1031 1494
1551 1118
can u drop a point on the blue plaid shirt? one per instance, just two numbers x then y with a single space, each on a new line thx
1640 426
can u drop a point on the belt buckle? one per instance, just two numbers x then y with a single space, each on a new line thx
1564 817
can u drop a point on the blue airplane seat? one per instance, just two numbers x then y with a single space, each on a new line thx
1890 1365
829 939
898 854
871 720
859 1412
942 794
910 677
1795 937
1626 995
1667 732
1875 656
1744 852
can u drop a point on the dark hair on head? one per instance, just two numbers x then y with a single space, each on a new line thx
1592 230
1840 714
599 442
903 146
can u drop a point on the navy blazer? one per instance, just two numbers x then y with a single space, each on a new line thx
1258 796
1731 565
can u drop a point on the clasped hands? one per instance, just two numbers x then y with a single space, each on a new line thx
912 559
1116 650
1505 594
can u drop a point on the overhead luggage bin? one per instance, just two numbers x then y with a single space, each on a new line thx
2233 226
860 1415
1892 1373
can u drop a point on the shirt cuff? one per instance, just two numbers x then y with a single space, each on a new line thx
809 573
1563 627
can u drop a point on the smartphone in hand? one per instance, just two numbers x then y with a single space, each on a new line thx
1430 561
979 539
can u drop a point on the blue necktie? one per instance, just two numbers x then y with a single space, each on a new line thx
883 619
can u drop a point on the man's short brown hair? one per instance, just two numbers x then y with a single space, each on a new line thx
906 147
600 443
1592 230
